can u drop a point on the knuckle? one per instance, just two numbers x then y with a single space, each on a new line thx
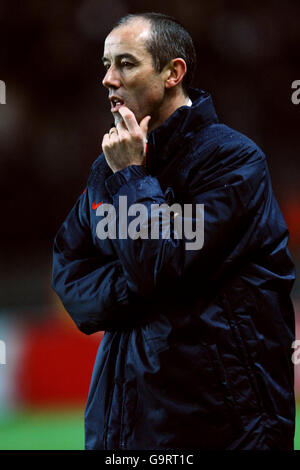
113 137
136 136
125 137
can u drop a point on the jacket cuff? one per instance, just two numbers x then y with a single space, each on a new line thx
125 176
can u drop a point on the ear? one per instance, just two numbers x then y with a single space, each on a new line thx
175 70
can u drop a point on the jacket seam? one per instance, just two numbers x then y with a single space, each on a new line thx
244 354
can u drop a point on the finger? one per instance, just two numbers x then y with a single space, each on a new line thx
144 124
129 120
105 142
122 130
113 136
112 131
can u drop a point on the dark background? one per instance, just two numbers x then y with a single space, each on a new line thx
57 111
51 130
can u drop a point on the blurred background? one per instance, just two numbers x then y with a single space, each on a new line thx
51 129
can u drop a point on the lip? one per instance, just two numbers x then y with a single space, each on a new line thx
115 107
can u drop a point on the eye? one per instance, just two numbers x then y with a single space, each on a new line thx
127 64
106 66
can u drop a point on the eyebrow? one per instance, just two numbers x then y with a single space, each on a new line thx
126 55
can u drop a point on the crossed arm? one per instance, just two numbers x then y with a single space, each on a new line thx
103 292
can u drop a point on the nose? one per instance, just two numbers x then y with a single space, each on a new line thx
111 79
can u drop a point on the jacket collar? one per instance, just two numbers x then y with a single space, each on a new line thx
180 126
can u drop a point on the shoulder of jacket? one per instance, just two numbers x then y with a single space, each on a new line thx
99 163
99 171
220 141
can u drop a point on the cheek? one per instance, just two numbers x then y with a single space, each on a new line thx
151 93
146 85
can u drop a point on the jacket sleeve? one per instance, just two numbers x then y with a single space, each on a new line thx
233 201
91 286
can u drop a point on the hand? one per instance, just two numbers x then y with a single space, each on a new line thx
125 144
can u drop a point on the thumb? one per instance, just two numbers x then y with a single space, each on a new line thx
144 124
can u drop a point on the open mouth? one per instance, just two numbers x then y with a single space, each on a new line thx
116 103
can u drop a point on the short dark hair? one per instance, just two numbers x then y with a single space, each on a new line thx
168 40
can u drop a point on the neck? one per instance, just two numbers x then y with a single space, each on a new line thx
174 100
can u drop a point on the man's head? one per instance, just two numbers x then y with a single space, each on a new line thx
150 60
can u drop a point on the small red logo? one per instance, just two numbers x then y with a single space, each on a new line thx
94 205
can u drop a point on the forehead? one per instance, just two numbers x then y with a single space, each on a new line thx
128 38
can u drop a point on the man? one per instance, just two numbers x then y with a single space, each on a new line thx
197 346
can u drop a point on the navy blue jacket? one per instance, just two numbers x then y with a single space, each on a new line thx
197 346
